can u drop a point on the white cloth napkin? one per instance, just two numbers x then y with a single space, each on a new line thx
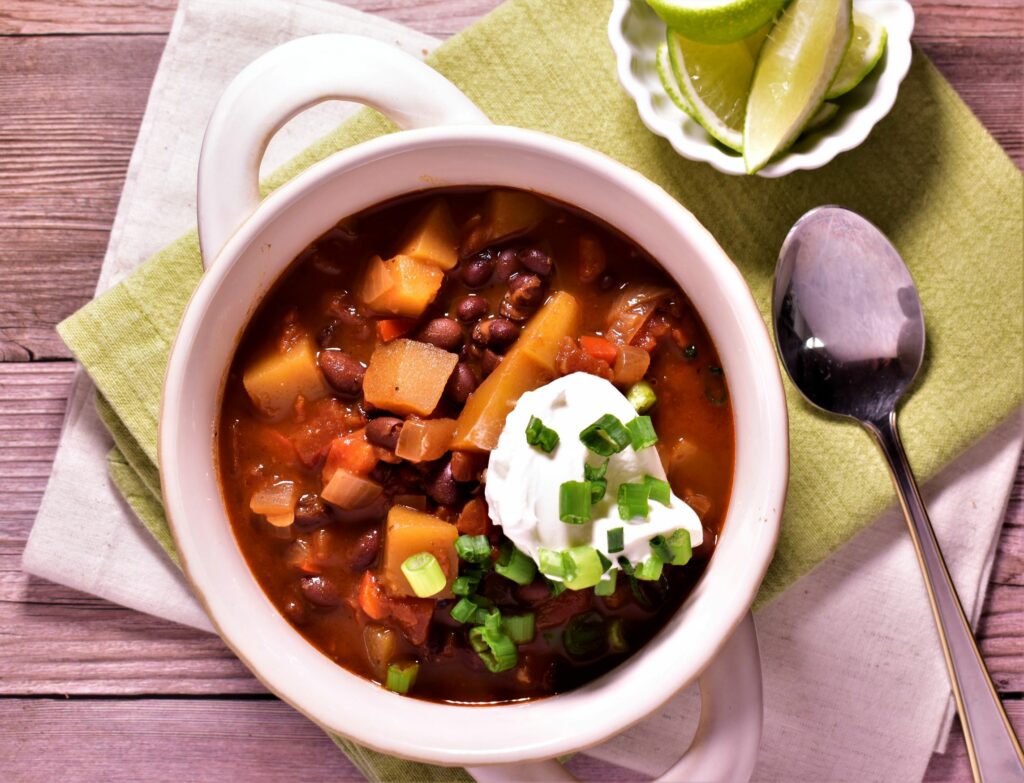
855 688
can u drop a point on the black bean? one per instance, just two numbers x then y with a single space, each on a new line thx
365 550
606 283
461 383
536 260
310 512
441 486
319 590
443 332
477 271
503 333
490 361
295 611
471 308
507 264
343 373
525 293
384 431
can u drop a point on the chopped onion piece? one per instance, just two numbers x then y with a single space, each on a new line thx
276 500
630 365
349 491
630 311
423 440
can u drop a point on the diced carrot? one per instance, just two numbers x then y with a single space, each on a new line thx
412 615
372 599
599 348
353 453
474 519
389 329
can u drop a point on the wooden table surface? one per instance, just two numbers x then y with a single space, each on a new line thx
93 691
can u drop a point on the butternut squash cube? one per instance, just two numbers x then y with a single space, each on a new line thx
423 440
509 213
400 286
275 379
410 532
435 240
528 365
407 376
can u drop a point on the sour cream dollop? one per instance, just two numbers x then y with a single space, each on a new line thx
523 482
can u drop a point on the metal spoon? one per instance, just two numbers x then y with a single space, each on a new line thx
849 328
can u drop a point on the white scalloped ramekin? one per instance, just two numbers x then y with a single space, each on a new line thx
636 31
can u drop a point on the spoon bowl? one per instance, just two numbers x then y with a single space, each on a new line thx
849 329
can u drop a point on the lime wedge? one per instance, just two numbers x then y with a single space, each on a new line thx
715 79
866 47
668 81
716 21
796 65
823 116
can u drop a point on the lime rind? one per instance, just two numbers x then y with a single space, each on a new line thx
867 45
822 117
663 63
795 68
716 21
714 78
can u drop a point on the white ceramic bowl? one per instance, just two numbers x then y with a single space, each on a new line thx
248 244
636 32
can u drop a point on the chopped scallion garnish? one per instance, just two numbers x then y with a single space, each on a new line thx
641 432
495 648
557 588
616 636
466 584
424 574
513 564
605 562
690 352
469 610
633 501
606 436
658 490
660 547
650 569
641 396
519 627
616 541
551 563
540 436
598 483
682 550
574 502
401 676
582 567
607 584
597 490
473 549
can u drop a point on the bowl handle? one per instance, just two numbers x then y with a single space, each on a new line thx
727 739
290 78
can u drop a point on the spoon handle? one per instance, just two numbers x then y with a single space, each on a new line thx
994 750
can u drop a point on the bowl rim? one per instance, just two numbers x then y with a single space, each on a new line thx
899 18
506 142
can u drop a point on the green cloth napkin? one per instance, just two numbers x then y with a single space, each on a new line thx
929 176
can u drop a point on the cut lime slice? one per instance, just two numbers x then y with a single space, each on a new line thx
797 64
823 116
716 21
668 81
866 47
715 79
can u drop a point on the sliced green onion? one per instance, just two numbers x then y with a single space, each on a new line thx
469 610
401 676
616 542
661 549
617 636
625 565
598 489
557 588
690 352
605 562
658 490
641 396
679 543
496 649
641 432
551 563
519 627
425 575
606 436
540 436
650 569
586 635
574 502
607 584
513 564
473 549
598 483
466 584
582 567
633 501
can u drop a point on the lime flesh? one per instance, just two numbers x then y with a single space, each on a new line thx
668 80
715 79
867 44
795 68
716 21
